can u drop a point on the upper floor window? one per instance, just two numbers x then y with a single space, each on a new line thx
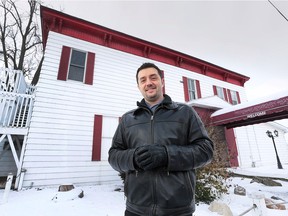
220 92
234 97
76 65
192 89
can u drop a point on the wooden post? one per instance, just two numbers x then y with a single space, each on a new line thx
259 202
7 187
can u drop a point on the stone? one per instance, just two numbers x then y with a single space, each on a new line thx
220 208
274 205
68 195
265 181
66 187
277 198
240 191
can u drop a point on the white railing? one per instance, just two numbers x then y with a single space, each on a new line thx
15 109
12 81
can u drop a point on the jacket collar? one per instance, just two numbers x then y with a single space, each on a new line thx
167 103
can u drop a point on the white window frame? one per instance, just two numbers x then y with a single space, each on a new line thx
220 92
234 97
192 90
83 67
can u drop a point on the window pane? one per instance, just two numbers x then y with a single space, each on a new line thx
76 73
78 58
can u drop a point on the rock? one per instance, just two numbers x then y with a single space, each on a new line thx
81 195
68 193
277 198
66 187
240 191
273 205
265 181
220 208
117 189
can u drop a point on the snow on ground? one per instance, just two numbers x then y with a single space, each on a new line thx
103 200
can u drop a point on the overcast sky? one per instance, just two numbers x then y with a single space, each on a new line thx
248 37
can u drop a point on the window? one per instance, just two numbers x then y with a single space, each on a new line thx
220 92
192 89
163 89
233 97
76 65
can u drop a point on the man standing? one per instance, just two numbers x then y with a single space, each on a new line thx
158 146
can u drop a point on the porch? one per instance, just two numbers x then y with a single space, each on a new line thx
16 105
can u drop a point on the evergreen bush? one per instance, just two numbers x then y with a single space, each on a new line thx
212 179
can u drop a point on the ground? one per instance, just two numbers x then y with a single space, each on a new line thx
103 200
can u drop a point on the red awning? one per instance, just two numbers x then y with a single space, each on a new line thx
269 109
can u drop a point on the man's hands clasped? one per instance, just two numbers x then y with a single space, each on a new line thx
148 157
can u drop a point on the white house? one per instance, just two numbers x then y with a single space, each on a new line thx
88 81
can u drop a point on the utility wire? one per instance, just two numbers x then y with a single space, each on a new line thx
278 10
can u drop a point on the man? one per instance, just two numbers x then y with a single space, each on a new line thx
158 146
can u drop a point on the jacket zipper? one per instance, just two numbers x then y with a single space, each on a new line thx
152 127
154 181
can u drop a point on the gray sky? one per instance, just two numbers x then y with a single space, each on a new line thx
248 37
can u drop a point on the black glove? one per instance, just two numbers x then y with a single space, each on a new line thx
148 157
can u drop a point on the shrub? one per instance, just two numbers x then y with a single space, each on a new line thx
211 179
210 184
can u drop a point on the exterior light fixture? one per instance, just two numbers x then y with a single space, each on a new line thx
270 134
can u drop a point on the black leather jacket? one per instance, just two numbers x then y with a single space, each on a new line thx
162 191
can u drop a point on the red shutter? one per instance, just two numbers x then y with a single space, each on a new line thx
225 94
215 90
64 63
185 86
229 96
90 68
238 97
198 89
163 89
97 138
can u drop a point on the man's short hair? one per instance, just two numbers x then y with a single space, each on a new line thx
148 65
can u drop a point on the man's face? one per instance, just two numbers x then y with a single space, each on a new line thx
150 85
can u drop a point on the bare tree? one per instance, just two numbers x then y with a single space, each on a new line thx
20 36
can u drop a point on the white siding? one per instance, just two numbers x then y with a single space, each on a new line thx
59 144
255 147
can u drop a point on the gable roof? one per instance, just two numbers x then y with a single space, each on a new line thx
62 23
